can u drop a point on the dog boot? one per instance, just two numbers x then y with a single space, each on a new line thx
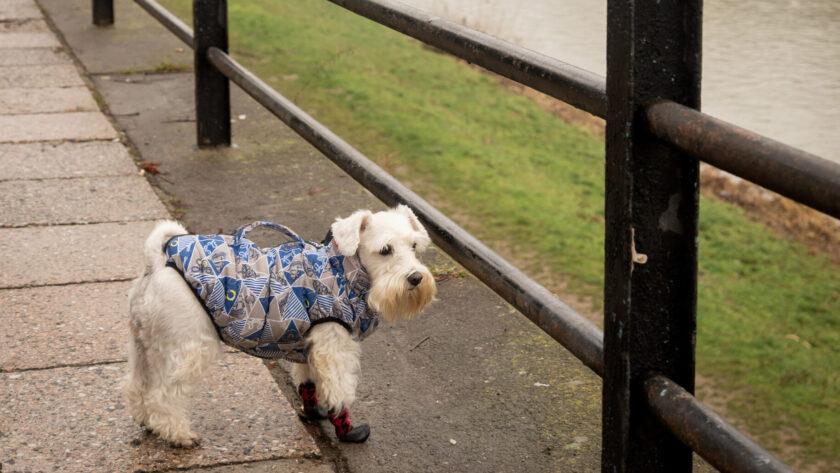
345 431
311 410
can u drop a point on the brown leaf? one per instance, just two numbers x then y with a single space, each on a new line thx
151 167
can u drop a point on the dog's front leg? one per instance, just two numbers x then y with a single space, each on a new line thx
305 384
333 361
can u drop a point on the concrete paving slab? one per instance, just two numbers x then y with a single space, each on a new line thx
90 320
23 26
273 466
50 160
78 200
32 56
71 99
137 42
156 112
76 126
19 10
36 256
175 108
74 419
28 40
40 76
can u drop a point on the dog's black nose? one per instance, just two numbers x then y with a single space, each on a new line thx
415 278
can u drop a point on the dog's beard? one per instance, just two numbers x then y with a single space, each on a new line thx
394 299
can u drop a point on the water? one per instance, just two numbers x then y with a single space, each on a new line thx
772 66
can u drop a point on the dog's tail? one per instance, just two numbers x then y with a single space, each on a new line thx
153 249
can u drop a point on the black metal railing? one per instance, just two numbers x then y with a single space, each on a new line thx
654 140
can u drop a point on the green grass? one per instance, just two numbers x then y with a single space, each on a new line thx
524 180
170 68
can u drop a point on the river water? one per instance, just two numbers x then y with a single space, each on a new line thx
772 66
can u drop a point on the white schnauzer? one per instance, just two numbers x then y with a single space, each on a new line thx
306 302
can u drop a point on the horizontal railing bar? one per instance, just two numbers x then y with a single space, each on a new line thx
793 173
561 322
716 441
168 20
573 85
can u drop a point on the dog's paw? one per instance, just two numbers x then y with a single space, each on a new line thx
313 415
359 434
188 440
140 420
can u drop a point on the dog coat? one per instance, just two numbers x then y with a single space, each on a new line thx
264 300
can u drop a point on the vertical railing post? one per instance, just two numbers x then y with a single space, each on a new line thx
653 51
212 90
103 12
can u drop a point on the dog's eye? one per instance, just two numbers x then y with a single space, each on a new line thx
414 246
386 250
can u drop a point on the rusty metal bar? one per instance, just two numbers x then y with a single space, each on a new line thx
212 89
168 20
573 85
717 442
650 290
103 12
791 172
561 322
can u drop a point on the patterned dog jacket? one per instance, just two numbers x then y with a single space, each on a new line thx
264 300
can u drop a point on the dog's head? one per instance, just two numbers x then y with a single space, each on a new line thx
387 243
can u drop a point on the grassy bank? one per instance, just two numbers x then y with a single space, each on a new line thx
532 186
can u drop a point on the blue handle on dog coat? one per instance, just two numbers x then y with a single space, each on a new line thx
243 230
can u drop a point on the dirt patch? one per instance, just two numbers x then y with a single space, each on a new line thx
819 232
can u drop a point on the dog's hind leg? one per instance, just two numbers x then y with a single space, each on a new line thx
333 360
180 345
136 380
179 369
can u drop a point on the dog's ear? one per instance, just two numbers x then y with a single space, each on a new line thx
423 239
347 231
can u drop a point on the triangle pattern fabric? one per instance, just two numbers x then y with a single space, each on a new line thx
209 243
263 301
231 287
219 266
316 263
266 303
291 334
305 295
325 303
277 285
234 330
256 285
294 310
216 299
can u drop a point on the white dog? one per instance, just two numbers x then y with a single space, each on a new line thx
306 302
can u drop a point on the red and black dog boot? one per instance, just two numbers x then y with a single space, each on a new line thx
345 431
312 412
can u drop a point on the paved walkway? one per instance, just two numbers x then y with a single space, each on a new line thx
74 215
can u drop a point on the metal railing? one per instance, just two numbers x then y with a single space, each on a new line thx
655 137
